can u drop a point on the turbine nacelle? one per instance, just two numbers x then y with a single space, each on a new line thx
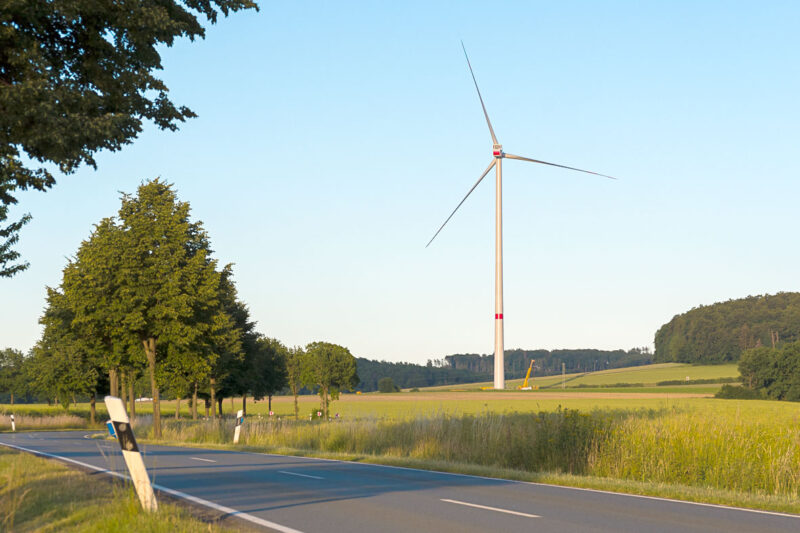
497 151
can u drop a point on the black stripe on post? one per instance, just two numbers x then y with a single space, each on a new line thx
125 436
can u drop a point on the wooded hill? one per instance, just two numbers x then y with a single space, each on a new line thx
720 332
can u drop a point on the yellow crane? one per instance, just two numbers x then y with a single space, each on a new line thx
525 385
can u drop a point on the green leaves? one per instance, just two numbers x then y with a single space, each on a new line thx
76 77
144 290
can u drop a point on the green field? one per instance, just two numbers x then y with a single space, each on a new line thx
460 399
646 375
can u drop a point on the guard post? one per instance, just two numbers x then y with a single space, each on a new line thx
239 422
13 425
122 430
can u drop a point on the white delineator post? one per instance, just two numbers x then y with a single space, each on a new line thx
130 452
499 367
13 425
239 422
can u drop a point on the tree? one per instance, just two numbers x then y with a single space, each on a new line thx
268 368
12 379
77 77
295 373
774 371
148 281
758 367
67 362
387 385
329 367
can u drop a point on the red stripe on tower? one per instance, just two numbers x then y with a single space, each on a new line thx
498 316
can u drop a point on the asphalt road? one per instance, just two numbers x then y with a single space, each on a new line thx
292 494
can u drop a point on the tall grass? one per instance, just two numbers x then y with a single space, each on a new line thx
728 452
724 451
56 421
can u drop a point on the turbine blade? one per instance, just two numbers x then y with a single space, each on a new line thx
512 156
488 122
462 201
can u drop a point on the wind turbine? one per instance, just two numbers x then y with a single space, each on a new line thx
497 162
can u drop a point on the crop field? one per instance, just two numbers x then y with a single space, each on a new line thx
646 375
749 450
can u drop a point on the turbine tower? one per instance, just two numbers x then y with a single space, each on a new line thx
497 162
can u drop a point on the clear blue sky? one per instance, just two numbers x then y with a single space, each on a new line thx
333 139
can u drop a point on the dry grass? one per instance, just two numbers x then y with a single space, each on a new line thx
56 421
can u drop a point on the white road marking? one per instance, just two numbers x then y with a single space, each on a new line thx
296 474
537 484
201 459
497 509
177 494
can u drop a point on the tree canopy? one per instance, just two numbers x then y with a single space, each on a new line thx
775 372
720 332
330 368
145 285
77 77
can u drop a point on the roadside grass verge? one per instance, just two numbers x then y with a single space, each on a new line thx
721 457
56 421
41 495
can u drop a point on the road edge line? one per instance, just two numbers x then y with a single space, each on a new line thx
175 493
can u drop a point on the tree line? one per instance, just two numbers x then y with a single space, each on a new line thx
143 296
411 375
721 332
548 362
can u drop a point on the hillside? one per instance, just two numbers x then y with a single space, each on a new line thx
473 368
719 333
644 376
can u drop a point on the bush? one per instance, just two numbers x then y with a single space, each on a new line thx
387 385
735 392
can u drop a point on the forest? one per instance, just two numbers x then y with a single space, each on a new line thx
548 362
719 333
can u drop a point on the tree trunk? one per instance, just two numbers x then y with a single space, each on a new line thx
177 407
296 407
150 351
269 402
324 392
206 404
231 404
12 398
244 404
194 403
131 397
212 385
112 382
219 401
121 387
92 410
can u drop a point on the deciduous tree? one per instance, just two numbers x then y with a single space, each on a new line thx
329 367
77 77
